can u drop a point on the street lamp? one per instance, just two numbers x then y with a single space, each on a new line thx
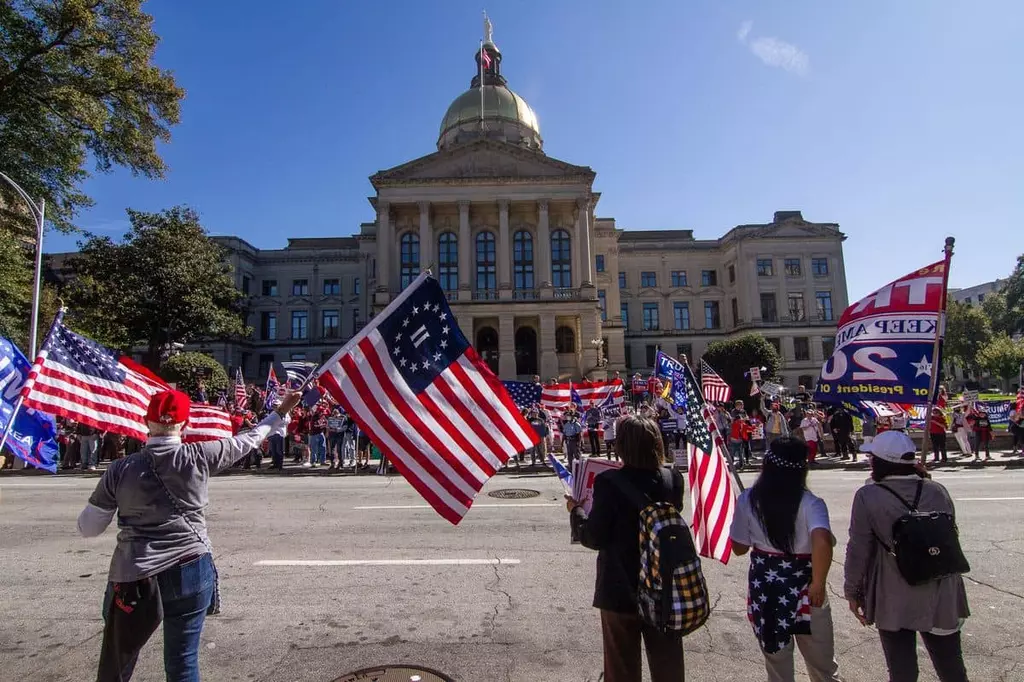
39 215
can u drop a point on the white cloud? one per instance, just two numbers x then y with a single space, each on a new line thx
744 31
774 52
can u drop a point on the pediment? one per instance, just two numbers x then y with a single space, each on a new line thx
482 160
791 229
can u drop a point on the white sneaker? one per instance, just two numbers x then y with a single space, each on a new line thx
92 468
306 465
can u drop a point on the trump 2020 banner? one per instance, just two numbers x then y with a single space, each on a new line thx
885 342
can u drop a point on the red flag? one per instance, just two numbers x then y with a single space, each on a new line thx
415 386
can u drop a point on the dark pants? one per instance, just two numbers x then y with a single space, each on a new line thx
900 649
938 446
185 593
843 445
595 442
572 450
275 446
621 634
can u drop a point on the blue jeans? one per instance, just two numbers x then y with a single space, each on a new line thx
276 450
736 450
317 448
186 592
90 449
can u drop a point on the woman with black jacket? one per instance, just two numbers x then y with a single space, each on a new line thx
613 529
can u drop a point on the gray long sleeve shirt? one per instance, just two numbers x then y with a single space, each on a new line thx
153 536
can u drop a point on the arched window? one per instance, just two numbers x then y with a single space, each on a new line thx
448 261
409 250
522 263
561 260
486 262
565 340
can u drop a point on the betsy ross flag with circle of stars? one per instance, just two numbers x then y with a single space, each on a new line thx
412 382
711 489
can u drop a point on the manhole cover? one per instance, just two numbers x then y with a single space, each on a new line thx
395 673
513 493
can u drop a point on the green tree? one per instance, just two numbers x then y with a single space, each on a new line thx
167 282
15 291
733 358
1002 357
967 332
78 84
999 316
186 369
1013 290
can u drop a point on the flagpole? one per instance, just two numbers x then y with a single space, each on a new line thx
481 60
940 329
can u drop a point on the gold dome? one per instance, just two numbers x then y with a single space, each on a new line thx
499 103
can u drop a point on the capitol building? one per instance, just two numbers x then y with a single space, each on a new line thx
539 281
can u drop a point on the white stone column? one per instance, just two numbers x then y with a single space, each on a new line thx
542 249
426 238
465 252
546 347
385 241
506 346
583 238
612 297
504 252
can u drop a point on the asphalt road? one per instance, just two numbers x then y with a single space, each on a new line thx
525 617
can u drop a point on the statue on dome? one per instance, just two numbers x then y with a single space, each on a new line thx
488 30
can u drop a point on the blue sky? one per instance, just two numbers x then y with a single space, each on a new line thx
899 120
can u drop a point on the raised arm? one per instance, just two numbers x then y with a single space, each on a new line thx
221 454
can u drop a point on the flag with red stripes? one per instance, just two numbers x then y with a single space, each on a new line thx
713 386
415 386
240 394
207 423
711 484
557 397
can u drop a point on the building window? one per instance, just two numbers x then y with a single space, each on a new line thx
764 267
629 355
330 321
300 287
448 261
300 324
681 315
769 310
297 356
266 360
650 319
269 287
777 345
599 263
732 274
565 340
828 346
801 349
679 278
409 258
268 326
709 278
824 299
735 312
332 287
357 287
486 262
819 267
624 314
602 303
522 260
807 381
246 284
648 279
981 298
561 260
356 324
797 312
967 300
650 355
792 266
712 316
622 280
684 349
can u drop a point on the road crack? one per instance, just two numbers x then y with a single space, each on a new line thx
993 587
497 589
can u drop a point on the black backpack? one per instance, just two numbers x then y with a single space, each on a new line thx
926 544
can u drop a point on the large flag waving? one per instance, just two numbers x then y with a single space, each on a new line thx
412 382
558 396
714 387
711 490
30 434
885 342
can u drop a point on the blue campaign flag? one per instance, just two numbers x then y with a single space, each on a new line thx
563 474
33 434
574 395
671 370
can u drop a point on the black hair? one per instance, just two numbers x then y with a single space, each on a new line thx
881 468
775 497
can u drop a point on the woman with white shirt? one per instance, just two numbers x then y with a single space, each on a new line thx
787 531
811 428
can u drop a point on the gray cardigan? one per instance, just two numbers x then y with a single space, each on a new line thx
872 577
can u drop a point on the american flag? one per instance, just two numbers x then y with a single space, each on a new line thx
523 393
412 382
75 377
297 371
714 387
206 423
711 489
558 396
274 390
240 394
